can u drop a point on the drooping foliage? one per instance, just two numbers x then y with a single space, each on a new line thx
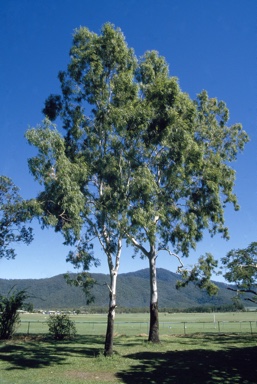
14 212
241 268
200 274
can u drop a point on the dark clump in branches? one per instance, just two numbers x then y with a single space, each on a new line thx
53 106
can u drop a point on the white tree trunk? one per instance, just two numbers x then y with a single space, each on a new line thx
108 351
154 315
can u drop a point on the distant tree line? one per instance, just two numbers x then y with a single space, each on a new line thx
234 307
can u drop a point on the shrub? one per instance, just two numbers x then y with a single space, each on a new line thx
60 327
9 316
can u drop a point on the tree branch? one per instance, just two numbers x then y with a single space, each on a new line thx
177 257
136 244
242 290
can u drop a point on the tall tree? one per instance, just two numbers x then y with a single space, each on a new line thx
84 173
145 162
14 212
183 179
241 269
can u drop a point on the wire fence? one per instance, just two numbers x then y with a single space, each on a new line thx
140 328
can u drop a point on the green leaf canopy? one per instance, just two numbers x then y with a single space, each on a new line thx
138 158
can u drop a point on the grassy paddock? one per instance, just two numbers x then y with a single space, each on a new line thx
195 359
136 324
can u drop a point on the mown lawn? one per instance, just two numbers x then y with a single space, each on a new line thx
191 359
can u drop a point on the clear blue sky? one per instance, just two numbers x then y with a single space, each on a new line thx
209 44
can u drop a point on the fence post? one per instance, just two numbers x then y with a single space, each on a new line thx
184 328
219 326
251 327
28 327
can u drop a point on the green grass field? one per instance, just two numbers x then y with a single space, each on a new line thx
197 358
137 324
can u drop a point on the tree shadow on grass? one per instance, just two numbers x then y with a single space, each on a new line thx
29 356
29 353
230 366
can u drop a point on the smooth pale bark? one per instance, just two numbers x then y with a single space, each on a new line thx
154 315
108 349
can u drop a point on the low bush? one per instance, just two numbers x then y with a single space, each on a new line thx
61 326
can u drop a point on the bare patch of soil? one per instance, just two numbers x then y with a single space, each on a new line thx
94 376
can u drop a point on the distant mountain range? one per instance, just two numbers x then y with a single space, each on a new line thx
132 292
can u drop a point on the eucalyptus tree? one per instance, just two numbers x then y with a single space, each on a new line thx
241 269
138 160
182 180
84 171
14 212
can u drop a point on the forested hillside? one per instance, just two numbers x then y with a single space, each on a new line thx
133 292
